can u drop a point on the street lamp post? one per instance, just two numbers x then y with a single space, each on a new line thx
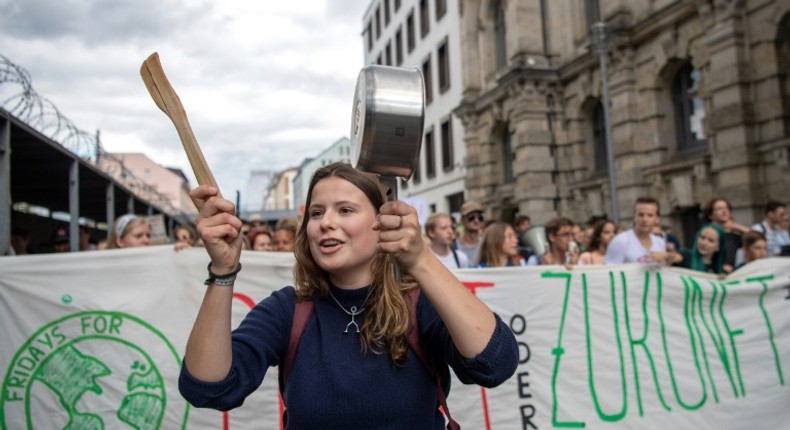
599 35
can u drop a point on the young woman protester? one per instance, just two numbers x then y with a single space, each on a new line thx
755 247
603 233
500 247
129 231
707 254
353 368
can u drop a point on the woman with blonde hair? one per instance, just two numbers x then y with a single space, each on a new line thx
353 365
129 231
500 247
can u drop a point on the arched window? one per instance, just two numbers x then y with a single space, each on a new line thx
499 35
689 111
599 139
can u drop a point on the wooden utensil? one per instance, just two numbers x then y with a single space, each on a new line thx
166 98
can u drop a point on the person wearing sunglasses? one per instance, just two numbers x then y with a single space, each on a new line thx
472 236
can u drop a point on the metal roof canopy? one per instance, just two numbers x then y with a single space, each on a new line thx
39 171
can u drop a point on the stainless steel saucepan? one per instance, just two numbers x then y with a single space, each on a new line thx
387 121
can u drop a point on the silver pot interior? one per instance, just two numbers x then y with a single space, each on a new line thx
387 120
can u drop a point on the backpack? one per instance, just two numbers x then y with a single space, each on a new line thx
303 310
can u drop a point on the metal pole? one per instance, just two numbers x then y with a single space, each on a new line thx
5 186
74 206
599 35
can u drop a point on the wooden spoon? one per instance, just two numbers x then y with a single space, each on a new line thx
166 98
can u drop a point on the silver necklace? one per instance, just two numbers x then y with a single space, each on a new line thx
354 310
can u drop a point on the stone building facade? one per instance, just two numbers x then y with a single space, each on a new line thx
699 106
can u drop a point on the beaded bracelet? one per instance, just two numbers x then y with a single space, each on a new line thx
225 280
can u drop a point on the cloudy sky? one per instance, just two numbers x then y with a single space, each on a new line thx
264 83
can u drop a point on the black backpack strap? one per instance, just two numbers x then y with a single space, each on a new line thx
413 339
455 256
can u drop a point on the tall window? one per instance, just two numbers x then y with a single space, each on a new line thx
444 67
425 18
369 31
378 23
455 201
441 9
782 49
410 31
499 35
689 110
388 53
426 76
592 11
430 155
447 145
599 138
386 12
507 155
399 47
397 5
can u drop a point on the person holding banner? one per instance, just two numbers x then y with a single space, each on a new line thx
358 259
708 253
129 231
602 234
639 244
500 247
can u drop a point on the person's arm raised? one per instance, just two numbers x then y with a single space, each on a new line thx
208 354
469 321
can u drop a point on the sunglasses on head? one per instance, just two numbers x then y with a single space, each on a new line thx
472 216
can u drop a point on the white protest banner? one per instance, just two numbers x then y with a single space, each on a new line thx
95 340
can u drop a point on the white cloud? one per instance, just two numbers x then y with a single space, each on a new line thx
264 83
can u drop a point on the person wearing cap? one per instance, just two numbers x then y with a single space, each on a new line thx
60 240
472 236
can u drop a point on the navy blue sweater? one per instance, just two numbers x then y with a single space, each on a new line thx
333 384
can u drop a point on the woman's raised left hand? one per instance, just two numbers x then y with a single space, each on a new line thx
399 233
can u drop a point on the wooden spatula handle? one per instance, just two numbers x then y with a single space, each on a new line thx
175 110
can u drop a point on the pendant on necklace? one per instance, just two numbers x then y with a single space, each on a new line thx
353 313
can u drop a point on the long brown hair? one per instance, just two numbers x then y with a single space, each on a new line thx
387 317
491 248
595 240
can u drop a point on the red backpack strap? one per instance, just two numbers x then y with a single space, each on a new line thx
303 310
413 339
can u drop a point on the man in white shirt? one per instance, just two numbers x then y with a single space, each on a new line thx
771 227
639 244
439 229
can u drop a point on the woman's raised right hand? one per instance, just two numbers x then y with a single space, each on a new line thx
218 227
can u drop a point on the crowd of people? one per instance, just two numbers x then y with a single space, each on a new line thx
131 231
721 245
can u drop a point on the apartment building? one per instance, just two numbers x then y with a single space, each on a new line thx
339 151
425 34
281 194
148 177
